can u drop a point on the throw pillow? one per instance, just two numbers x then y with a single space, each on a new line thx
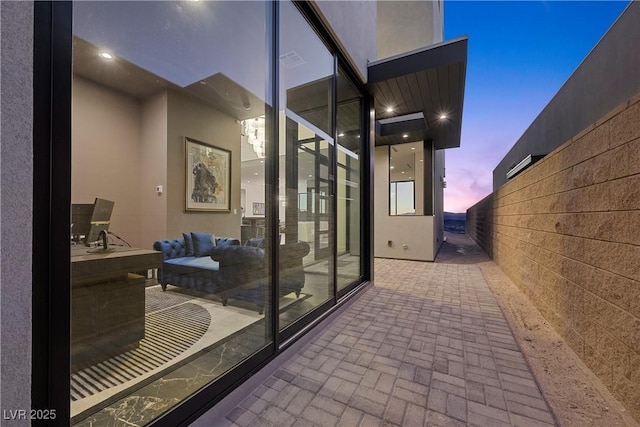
188 244
202 243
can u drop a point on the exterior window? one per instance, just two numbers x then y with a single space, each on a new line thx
170 268
406 182
402 198
307 150
349 161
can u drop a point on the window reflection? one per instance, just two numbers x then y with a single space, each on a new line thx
406 179
306 159
349 161
170 128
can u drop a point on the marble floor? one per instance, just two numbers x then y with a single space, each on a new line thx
170 363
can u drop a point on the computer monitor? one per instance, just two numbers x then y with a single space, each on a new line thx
99 215
80 221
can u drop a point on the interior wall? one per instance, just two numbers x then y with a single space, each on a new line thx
106 154
191 118
566 232
254 193
416 232
153 145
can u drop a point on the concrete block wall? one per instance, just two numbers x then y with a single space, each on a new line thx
567 232
479 224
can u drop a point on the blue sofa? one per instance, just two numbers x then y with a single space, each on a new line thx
227 269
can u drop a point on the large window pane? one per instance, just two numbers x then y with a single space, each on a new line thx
349 144
306 156
170 136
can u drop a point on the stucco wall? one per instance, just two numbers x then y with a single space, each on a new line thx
416 232
567 232
16 203
353 24
406 26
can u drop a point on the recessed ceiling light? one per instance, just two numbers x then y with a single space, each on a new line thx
389 109
310 176
402 171
105 55
358 136
413 148
443 116
420 159
341 134
255 173
391 167
405 136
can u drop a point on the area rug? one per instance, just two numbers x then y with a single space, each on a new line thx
177 327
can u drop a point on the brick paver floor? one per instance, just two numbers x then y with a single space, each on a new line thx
426 346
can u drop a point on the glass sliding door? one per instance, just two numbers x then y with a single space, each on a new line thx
349 163
307 148
171 127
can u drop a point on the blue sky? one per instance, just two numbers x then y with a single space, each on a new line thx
520 54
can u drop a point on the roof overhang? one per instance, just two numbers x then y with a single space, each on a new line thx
425 88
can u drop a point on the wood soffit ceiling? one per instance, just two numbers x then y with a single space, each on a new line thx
429 81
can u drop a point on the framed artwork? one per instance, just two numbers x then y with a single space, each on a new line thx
258 208
207 177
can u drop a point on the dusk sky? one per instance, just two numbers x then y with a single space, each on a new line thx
520 54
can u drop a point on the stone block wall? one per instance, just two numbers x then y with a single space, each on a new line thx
567 232
479 224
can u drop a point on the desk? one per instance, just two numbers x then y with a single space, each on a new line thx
107 302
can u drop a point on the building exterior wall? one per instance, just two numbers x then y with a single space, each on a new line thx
479 225
416 232
566 232
353 25
605 79
16 158
407 26
404 27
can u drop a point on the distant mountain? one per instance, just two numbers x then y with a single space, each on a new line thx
455 222
459 215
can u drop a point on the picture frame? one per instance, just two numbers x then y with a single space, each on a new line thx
258 208
207 177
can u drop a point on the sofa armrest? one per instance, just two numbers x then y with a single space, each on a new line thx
170 248
236 256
